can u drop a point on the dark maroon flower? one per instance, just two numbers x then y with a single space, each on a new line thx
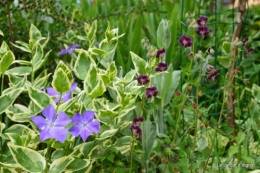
160 53
161 67
137 121
143 79
251 49
177 93
209 68
212 75
245 41
151 92
185 41
136 131
202 21
203 31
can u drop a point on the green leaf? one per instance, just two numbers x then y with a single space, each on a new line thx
25 49
99 89
247 160
18 113
66 105
240 137
66 69
256 92
60 81
232 150
27 159
5 101
226 47
202 144
40 83
107 134
34 34
2 126
6 61
40 98
20 71
77 164
23 62
139 63
92 31
175 80
123 144
111 71
60 164
15 139
129 76
41 62
4 48
82 64
37 55
224 61
163 34
1 33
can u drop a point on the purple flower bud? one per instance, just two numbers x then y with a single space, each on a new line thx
203 31
160 53
161 67
143 79
185 41
245 41
151 92
202 21
251 49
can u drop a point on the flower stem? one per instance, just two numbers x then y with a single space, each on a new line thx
48 155
2 85
131 154
161 119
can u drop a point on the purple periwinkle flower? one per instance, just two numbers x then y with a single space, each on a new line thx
185 41
151 92
69 50
65 97
212 75
136 131
84 125
161 67
143 79
160 53
52 126
203 31
202 21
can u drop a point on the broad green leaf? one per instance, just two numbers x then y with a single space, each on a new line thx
202 144
6 61
240 137
1 33
39 83
247 160
107 134
163 34
91 79
25 49
226 47
3 49
40 98
224 61
2 126
92 31
66 105
123 144
232 150
10 91
37 55
83 64
60 81
60 164
99 89
256 92
20 71
27 159
15 139
34 34
77 164
18 113
139 63
23 62
41 62
5 101
66 69
111 71
129 76
176 77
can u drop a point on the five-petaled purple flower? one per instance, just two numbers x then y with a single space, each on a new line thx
135 128
160 53
84 125
69 50
161 67
65 97
52 126
203 31
151 92
185 41
202 21
143 79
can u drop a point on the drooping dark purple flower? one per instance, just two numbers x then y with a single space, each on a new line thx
52 126
209 68
151 92
161 67
84 125
137 121
245 41
248 52
136 131
65 97
202 21
203 31
212 75
143 79
160 53
185 41
69 50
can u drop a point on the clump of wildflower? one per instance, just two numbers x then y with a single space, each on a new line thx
51 126
161 67
185 41
143 79
152 91
84 125
65 96
160 53
135 127
202 29
69 50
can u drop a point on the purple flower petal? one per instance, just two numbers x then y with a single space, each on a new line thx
85 134
63 52
59 134
71 48
94 126
52 92
77 118
62 120
75 130
88 116
50 113
45 134
39 121
66 96
73 86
